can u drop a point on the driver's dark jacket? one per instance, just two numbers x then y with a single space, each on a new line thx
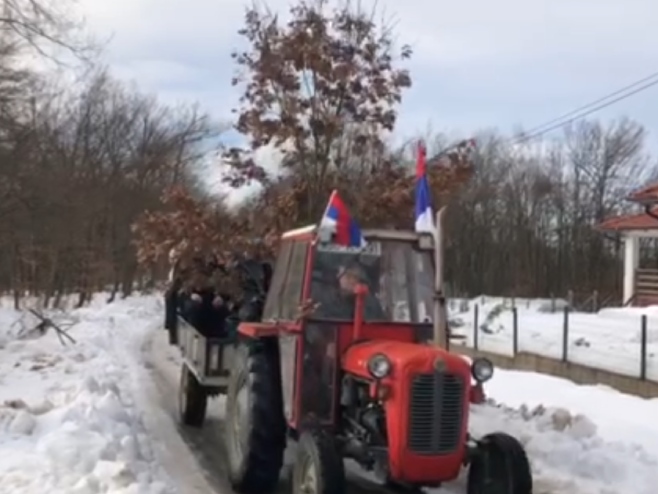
337 304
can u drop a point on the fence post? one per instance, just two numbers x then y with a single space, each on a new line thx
595 301
553 304
475 326
515 331
643 349
565 336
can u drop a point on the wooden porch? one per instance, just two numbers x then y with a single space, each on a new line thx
646 287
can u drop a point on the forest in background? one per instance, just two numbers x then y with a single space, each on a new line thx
99 180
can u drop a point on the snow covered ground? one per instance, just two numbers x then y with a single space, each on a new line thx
69 416
609 339
97 417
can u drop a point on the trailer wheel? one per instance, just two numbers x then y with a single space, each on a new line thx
500 466
192 399
171 317
255 425
173 335
318 468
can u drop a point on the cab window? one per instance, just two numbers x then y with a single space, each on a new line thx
291 294
272 306
398 276
336 272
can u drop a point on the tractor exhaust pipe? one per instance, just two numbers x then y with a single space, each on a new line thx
441 335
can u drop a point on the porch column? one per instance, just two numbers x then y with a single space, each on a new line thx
631 263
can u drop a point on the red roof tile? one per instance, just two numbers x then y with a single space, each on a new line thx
648 194
640 221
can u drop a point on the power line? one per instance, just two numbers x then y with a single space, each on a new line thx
589 108
592 103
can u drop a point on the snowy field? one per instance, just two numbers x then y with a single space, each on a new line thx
97 416
609 339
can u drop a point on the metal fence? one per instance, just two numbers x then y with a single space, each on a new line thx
639 361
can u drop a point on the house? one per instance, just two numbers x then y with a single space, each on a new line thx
640 284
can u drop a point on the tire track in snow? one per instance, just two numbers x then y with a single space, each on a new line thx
177 459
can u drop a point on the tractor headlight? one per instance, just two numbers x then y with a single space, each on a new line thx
482 369
379 366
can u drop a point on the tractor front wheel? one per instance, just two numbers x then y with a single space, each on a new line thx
500 466
192 399
255 424
318 468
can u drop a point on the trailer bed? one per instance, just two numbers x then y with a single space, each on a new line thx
209 359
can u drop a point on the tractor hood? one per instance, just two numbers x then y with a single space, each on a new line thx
404 358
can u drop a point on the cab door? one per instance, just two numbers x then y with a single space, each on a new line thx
282 305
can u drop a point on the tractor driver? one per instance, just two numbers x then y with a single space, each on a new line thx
343 302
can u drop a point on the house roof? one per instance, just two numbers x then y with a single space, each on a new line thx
645 195
630 222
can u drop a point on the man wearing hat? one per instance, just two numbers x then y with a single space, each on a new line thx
342 302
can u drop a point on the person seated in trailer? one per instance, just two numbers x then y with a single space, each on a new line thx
254 278
201 304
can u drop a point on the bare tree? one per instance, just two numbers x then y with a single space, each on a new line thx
44 25
78 174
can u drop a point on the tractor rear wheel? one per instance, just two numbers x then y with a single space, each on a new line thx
173 335
255 424
192 399
500 466
318 468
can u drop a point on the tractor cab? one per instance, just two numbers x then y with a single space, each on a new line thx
395 277
329 296
391 279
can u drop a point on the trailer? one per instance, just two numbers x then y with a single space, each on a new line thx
205 370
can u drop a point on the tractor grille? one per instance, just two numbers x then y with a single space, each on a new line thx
436 413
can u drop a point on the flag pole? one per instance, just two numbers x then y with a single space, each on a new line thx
331 196
323 234
441 335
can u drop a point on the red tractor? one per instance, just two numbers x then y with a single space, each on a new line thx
342 363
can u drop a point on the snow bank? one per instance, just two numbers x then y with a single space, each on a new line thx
567 452
68 419
580 439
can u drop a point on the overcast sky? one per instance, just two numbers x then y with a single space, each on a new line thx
477 63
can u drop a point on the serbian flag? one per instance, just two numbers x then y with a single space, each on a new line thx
338 220
423 213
